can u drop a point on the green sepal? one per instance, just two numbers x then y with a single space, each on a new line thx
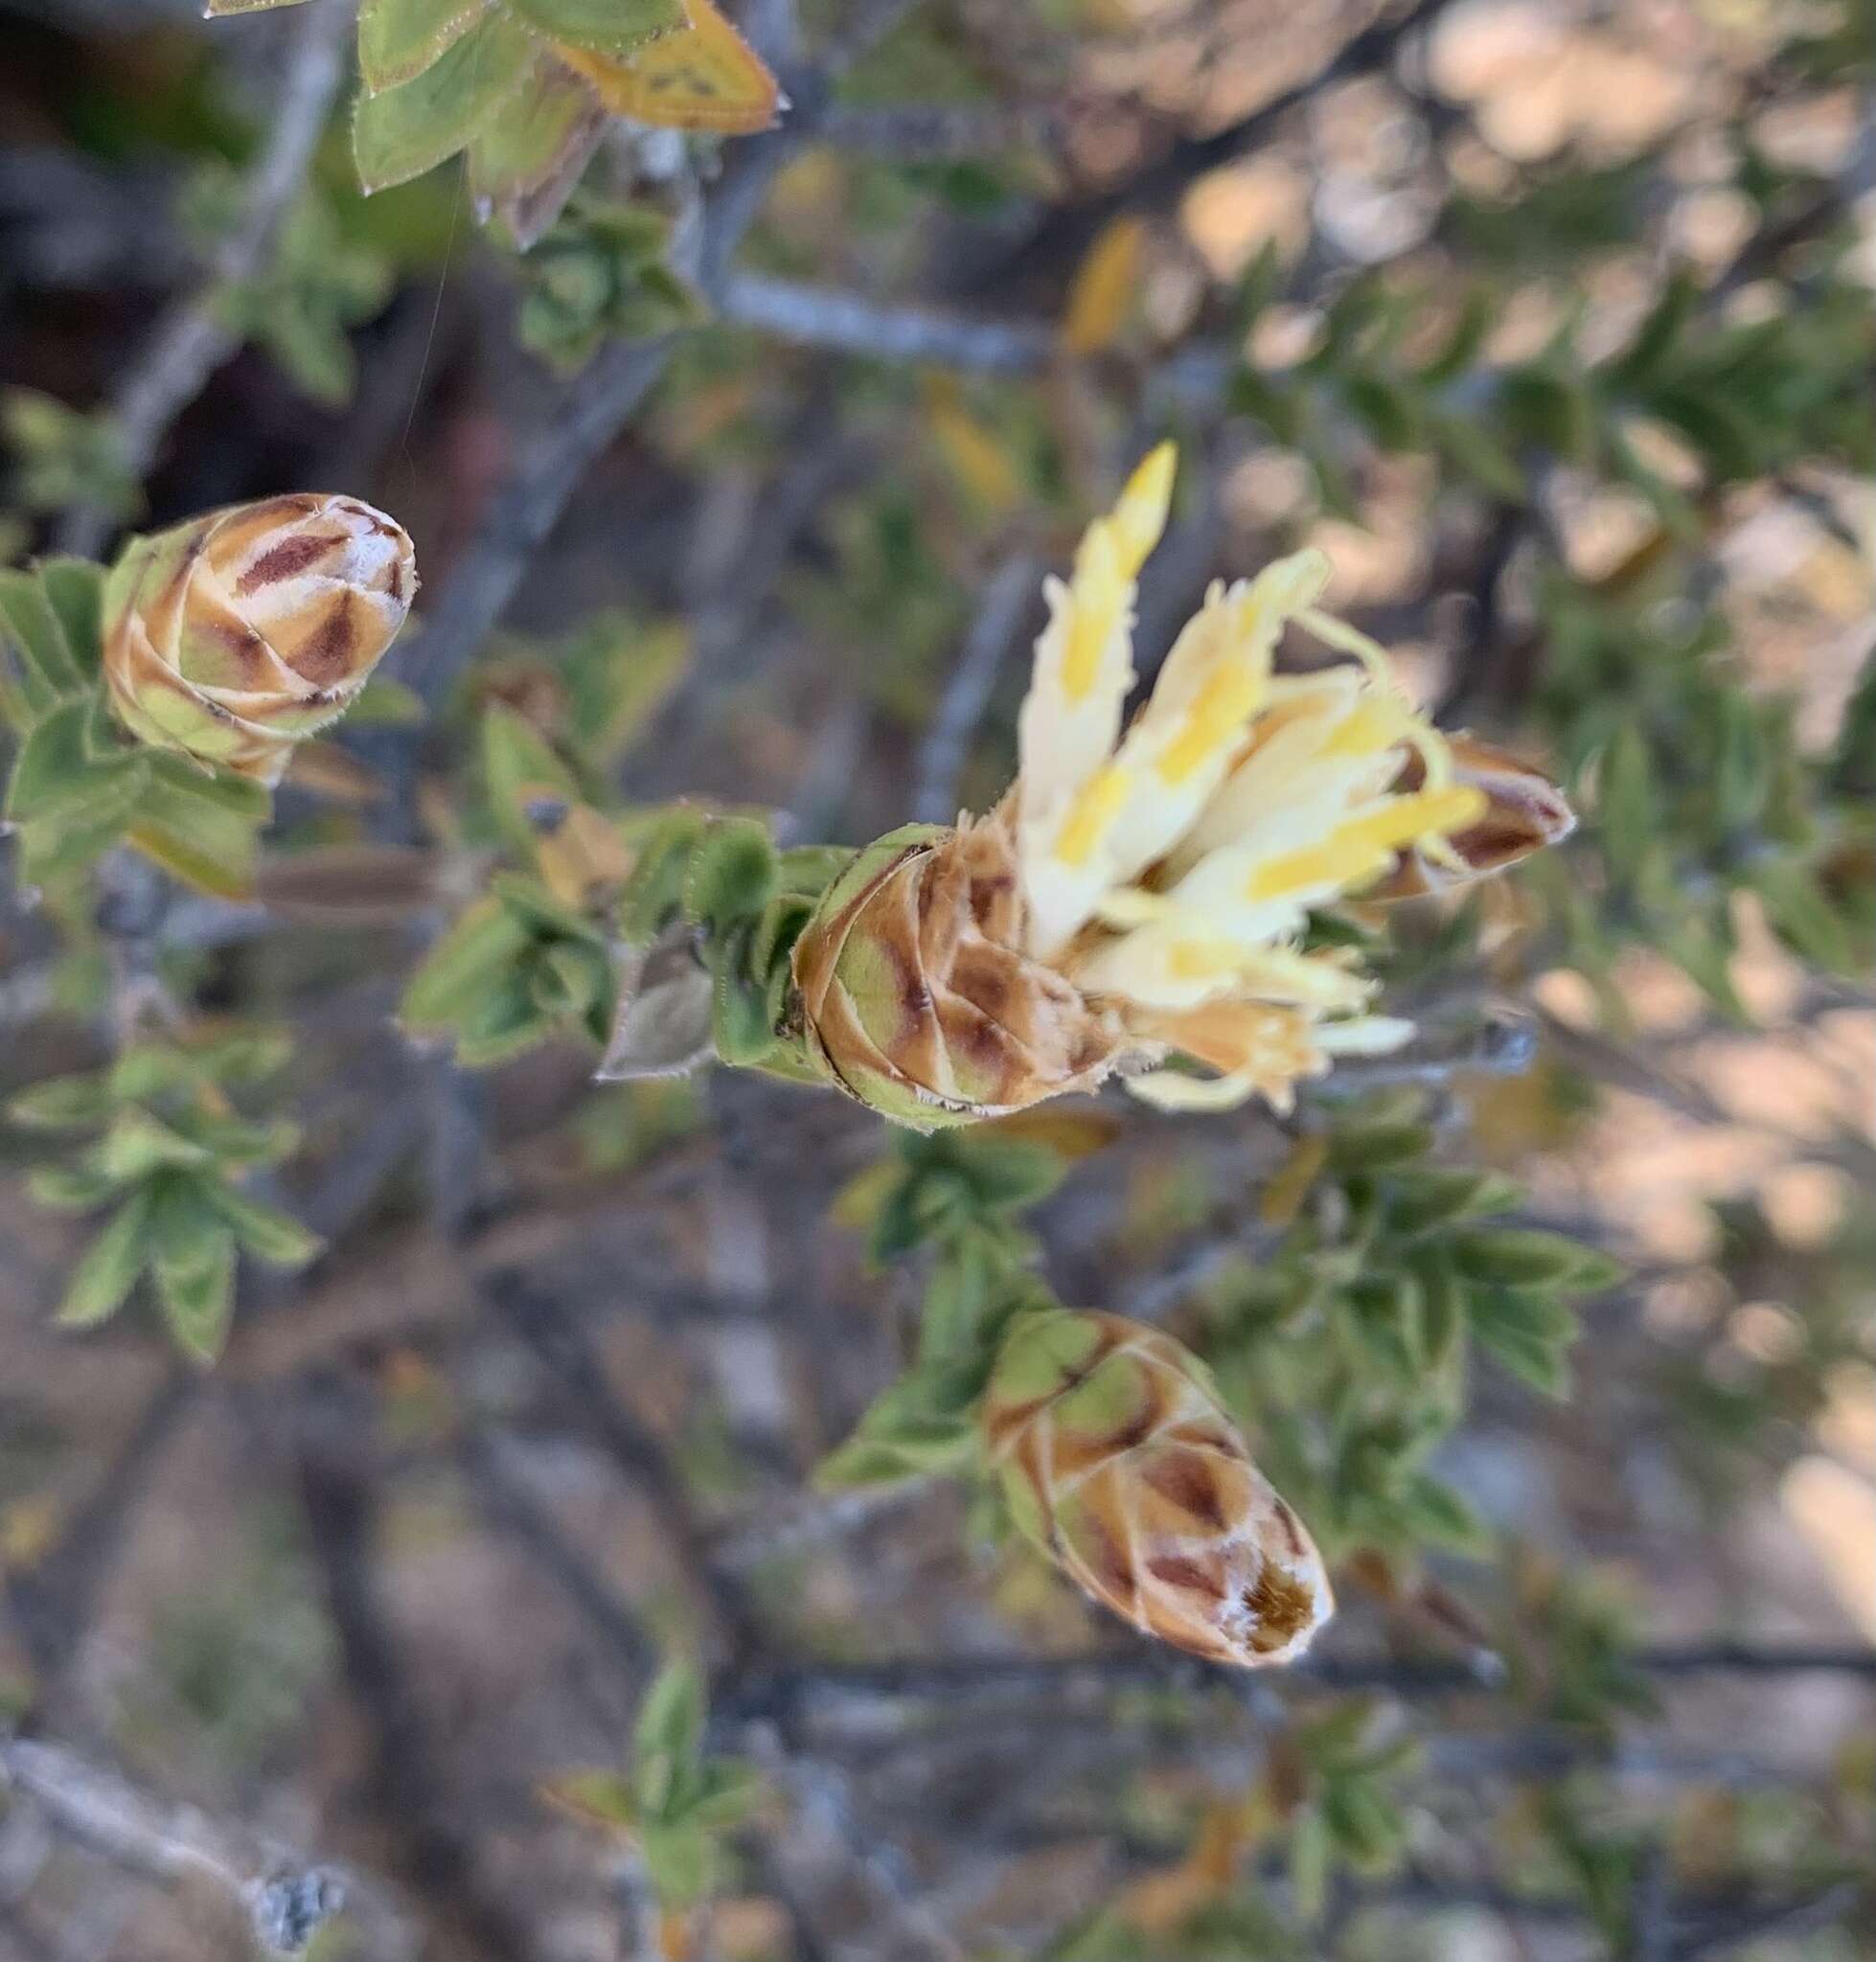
739 1021
731 875
664 840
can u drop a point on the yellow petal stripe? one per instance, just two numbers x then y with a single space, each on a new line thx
1094 808
1359 847
1098 597
1140 516
1215 719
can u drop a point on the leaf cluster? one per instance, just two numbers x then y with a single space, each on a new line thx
602 273
675 1802
960 1195
317 283
171 1154
79 782
1350 1343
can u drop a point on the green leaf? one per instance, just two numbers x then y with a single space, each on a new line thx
605 26
739 1021
63 1103
677 1862
138 1144
1443 1518
402 132
1514 1256
57 778
727 1792
399 39
1802 913
31 627
599 1798
197 1291
202 827
520 771
479 953
383 704
732 874
265 1232
528 153
69 1188
75 590
108 1268
667 1734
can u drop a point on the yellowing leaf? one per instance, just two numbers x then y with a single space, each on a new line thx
857 1202
1165 1902
703 76
1106 284
977 457
581 855
1070 1134
1291 1181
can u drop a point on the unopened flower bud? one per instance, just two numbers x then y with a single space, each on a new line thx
916 997
1119 1462
235 635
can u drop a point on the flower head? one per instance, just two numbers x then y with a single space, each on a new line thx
1145 892
235 635
1120 1463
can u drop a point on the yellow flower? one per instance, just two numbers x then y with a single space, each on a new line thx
1145 892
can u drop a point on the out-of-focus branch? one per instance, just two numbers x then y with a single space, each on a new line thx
1023 1677
591 411
1063 232
1007 598
191 341
284 1898
938 132
827 317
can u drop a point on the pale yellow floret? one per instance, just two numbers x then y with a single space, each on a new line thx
1140 519
1099 596
1095 806
1364 844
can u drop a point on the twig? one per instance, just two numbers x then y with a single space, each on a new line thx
513 1508
409 1794
1733 1924
828 317
284 1898
191 341
562 1346
1007 598
50 1602
1021 1678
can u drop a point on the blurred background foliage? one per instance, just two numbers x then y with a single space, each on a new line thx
1552 324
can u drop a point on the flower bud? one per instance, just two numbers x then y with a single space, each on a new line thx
915 996
1119 1462
233 636
1523 812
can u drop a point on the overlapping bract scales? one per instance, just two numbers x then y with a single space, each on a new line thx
1166 875
915 996
1119 1462
235 635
